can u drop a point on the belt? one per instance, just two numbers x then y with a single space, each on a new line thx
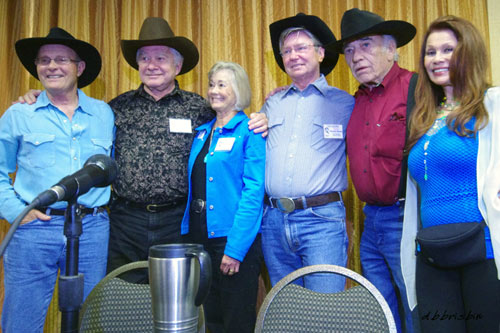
152 207
80 210
288 205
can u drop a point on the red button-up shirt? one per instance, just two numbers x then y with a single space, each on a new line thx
376 137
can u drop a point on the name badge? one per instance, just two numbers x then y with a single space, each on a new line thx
179 125
224 144
332 131
201 135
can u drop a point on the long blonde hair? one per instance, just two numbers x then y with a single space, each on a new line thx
468 70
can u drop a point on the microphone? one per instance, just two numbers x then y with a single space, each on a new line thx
98 171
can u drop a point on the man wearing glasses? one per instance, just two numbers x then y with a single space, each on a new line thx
304 216
44 142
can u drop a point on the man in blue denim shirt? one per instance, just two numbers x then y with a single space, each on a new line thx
304 216
47 141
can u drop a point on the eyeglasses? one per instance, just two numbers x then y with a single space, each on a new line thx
300 49
45 61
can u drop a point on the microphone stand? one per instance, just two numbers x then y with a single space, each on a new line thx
71 284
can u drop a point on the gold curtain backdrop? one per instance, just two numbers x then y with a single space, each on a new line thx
232 30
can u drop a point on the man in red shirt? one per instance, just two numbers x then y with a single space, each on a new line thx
376 136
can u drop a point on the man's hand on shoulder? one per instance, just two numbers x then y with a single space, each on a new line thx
275 91
258 123
29 98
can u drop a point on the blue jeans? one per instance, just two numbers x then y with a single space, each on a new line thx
306 237
31 262
380 257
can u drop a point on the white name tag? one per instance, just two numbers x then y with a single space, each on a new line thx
332 131
179 125
224 144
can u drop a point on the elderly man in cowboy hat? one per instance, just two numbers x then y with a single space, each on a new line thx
375 144
45 141
304 217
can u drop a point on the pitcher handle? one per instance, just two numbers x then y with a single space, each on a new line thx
205 275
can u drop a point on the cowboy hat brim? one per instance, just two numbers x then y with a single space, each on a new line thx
314 25
27 51
402 31
183 45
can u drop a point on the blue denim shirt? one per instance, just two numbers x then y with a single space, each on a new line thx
306 144
235 183
46 146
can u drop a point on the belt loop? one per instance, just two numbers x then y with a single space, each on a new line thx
96 210
304 202
47 211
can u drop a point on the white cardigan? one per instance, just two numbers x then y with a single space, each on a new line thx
488 190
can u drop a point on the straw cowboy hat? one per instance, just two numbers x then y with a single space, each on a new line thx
27 51
314 25
358 23
157 31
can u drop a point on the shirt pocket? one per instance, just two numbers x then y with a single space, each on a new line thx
101 146
40 149
275 125
390 139
318 140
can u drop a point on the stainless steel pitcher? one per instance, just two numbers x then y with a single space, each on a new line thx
180 277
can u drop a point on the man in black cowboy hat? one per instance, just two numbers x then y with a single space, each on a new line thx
304 219
45 141
376 137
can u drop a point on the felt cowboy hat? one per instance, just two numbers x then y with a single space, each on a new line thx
27 51
357 23
157 31
314 25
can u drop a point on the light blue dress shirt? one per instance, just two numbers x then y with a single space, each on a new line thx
235 167
306 143
46 146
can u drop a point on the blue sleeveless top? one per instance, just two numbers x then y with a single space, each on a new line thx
444 166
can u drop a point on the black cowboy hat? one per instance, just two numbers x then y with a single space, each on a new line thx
357 23
27 51
314 25
157 31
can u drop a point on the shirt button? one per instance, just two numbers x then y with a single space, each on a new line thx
212 233
37 142
74 139
210 179
211 207
220 131
212 153
291 155
364 170
367 123
366 146
64 121
74 158
371 100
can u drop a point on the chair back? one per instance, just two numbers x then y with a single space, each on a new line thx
115 305
289 307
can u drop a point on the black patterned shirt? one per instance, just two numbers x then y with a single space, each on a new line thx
152 159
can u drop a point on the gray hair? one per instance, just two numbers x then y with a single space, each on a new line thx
239 82
287 32
388 39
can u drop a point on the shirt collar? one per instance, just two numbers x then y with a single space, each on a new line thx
84 102
320 85
238 118
176 92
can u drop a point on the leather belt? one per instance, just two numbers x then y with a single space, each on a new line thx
80 210
152 207
288 205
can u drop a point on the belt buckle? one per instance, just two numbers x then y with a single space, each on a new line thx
152 208
286 205
198 205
